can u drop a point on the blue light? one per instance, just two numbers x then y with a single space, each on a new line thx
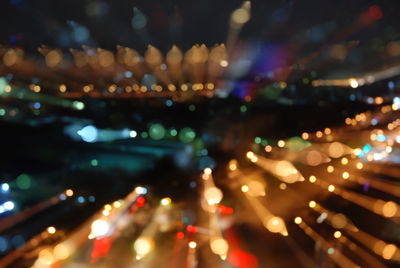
92 199
374 122
380 138
81 199
5 187
169 103
366 148
128 74
88 133
62 197
36 105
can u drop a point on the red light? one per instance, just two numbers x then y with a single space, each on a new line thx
375 12
191 229
101 247
225 210
242 259
180 235
140 201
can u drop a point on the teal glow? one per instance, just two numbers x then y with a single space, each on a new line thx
23 182
157 131
187 135
94 162
144 135
78 105
173 132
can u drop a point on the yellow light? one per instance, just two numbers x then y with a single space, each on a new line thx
61 251
327 131
282 186
360 165
254 159
165 201
389 251
345 175
389 209
344 161
337 234
305 136
219 246
51 230
298 220
105 212
108 207
249 154
330 169
224 63
357 151
268 148
46 257
233 165
331 188
319 134
69 193
312 204
244 188
213 195
275 225
312 179
192 244
142 247
62 88
379 100
336 149
99 228
117 204
281 143
353 83
208 171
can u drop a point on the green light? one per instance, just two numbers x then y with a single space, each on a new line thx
243 108
257 140
331 251
3 84
157 131
78 105
187 135
94 162
144 135
264 142
173 132
2 112
23 182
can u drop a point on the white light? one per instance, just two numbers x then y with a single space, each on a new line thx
354 83
100 228
143 246
5 187
140 190
132 133
9 205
